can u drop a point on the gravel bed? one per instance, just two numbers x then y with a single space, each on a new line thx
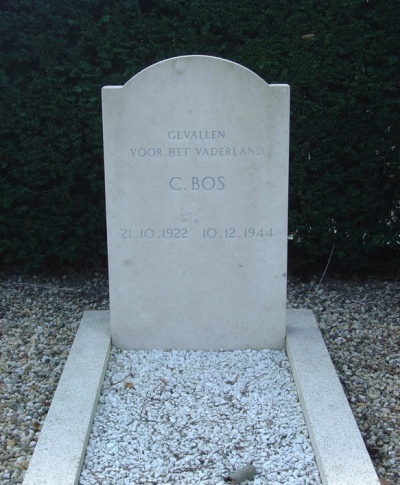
39 316
195 417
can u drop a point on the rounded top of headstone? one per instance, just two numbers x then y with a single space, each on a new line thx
196 65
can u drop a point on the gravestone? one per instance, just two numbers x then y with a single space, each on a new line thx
196 171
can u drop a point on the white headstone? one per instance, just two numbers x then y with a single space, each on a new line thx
196 161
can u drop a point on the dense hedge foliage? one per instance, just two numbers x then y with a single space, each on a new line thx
340 58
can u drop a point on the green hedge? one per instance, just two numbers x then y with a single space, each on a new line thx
340 58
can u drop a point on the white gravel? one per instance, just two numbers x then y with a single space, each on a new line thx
185 417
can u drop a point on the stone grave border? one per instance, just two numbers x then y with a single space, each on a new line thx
339 448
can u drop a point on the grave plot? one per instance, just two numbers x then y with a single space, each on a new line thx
196 164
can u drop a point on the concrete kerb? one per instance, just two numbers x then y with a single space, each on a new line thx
340 451
60 450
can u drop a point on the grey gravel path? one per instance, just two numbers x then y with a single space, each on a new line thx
39 316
